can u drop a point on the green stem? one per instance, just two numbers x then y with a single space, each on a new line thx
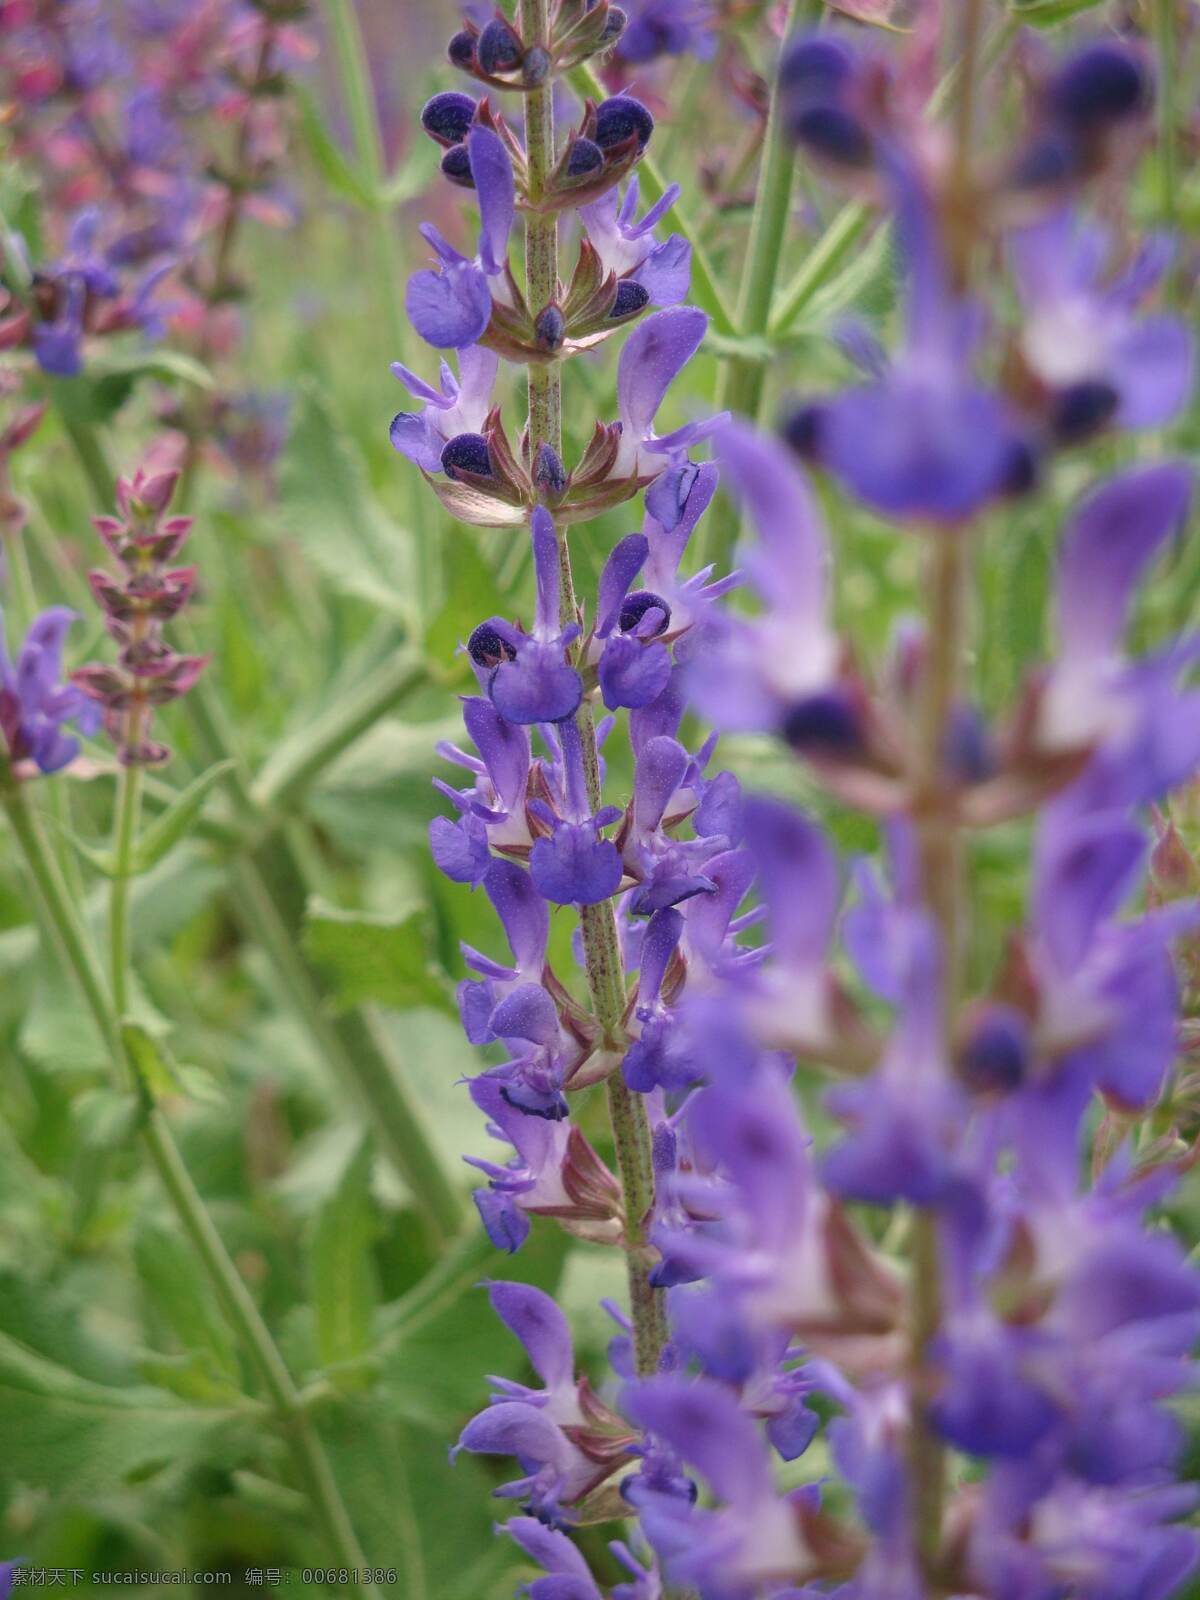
705 289
125 828
598 923
364 122
822 261
236 1300
1168 149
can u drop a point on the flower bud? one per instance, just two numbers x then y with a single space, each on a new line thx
461 50
823 725
550 328
549 474
622 118
996 1053
614 26
456 165
487 649
498 48
535 68
584 157
1102 83
635 606
832 135
1082 409
467 452
631 298
802 430
447 117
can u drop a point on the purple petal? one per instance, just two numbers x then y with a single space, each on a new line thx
666 273
1111 538
574 867
661 765
460 849
527 1013
623 565
631 673
1153 372
420 390
523 912
412 436
505 1224
493 175
799 878
655 353
778 499
503 746
1085 871
705 1424
542 1329
538 686
659 944
449 309
545 566
515 1429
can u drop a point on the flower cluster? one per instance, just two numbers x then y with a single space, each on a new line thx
117 113
995 1414
148 593
36 706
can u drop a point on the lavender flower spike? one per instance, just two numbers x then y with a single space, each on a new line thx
451 308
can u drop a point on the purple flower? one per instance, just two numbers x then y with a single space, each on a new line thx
925 441
34 703
628 248
633 668
654 355
574 866
458 407
538 684
451 308
1083 339
493 810
667 28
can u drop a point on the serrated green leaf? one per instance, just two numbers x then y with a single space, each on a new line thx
332 163
173 824
342 1276
374 959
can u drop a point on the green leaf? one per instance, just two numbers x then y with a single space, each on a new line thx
470 594
415 175
1046 13
181 1295
168 366
160 1074
173 824
106 1118
74 1437
342 1274
332 163
375 959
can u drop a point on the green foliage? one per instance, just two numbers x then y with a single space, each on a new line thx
373 958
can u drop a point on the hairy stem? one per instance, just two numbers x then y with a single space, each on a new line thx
598 923
60 913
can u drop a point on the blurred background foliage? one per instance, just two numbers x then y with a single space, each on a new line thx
334 592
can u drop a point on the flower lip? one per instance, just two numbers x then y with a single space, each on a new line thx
448 117
621 118
635 606
1100 84
487 648
467 452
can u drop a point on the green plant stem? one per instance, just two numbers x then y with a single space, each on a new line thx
125 829
59 911
705 290
598 923
821 262
1168 124
356 1053
360 106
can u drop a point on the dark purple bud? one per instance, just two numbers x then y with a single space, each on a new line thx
614 26
802 430
631 298
467 452
635 606
815 70
1082 409
1102 83
995 1057
549 474
822 725
550 328
535 68
833 135
461 50
1048 162
1021 473
487 649
584 157
448 117
966 750
622 118
498 48
456 165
